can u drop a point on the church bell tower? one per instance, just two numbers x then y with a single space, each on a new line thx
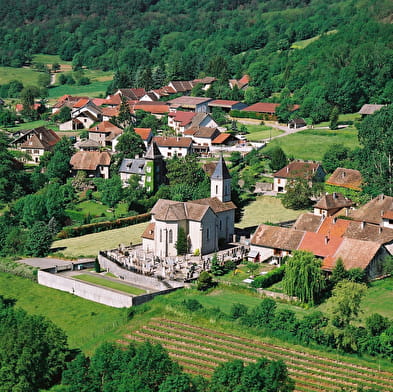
220 182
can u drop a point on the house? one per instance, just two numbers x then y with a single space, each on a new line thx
109 113
36 142
146 135
157 109
331 203
150 169
37 107
206 82
196 104
266 109
241 83
368 109
224 139
205 222
202 136
227 105
346 179
106 134
66 101
311 171
296 123
181 121
88 145
133 94
171 146
183 87
94 163
84 114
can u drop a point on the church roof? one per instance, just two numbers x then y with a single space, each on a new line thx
221 171
216 204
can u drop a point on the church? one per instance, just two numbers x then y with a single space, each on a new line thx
206 222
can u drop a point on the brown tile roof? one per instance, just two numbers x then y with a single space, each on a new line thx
205 80
319 244
90 160
106 127
82 102
188 101
149 231
169 210
223 103
209 168
333 227
277 237
144 133
183 118
152 107
333 201
388 215
373 211
203 132
132 93
216 204
308 222
296 169
346 178
42 138
172 141
110 112
354 254
182 86
369 232
370 108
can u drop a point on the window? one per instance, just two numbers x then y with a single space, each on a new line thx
148 169
207 234
160 235
36 151
216 189
170 236
278 181
220 224
148 179
169 154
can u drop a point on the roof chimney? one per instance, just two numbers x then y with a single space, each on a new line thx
334 219
334 195
362 225
344 174
380 229
382 212
287 169
326 239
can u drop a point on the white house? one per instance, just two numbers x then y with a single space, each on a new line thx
173 146
205 222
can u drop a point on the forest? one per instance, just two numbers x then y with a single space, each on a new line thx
320 54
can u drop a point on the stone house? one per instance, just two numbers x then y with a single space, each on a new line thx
94 163
106 134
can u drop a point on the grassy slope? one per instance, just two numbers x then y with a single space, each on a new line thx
89 245
266 209
312 144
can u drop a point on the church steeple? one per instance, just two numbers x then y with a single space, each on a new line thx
220 181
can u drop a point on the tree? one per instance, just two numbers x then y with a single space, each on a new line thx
177 383
303 277
336 156
63 115
59 162
39 240
278 159
376 137
297 195
339 272
130 144
181 243
44 80
334 118
205 281
111 190
237 310
125 119
55 67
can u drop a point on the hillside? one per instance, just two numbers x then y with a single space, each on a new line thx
149 42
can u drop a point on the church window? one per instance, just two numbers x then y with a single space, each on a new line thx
170 236
216 189
207 234
160 235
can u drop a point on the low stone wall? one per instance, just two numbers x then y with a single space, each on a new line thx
85 290
138 279
275 295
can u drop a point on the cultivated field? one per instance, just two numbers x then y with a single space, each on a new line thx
266 209
199 350
313 143
89 245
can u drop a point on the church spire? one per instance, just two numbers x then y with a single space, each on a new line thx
220 181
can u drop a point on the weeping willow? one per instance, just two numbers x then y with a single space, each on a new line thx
303 277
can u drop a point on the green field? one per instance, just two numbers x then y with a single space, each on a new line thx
312 144
266 209
35 124
93 90
261 132
89 245
98 280
25 75
304 43
86 323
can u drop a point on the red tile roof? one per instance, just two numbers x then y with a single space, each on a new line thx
183 117
388 215
99 101
144 133
319 244
221 138
113 100
262 107
19 107
333 227
152 107
110 112
297 169
82 102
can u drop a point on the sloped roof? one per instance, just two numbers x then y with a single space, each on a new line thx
308 222
221 171
82 102
209 168
297 169
388 215
319 244
216 204
90 160
373 211
370 108
188 101
152 107
172 141
202 132
132 93
277 237
114 100
41 138
332 201
183 118
89 143
169 210
346 178
149 231
153 151
224 103
144 133
222 138
369 232
106 127
333 227
198 118
110 112
132 166
262 107
182 86
205 80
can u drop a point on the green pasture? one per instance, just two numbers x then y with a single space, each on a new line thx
312 144
85 323
98 280
90 244
35 124
266 209
261 132
27 76
304 43
49 59
96 89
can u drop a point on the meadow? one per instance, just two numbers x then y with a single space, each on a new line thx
311 144
261 132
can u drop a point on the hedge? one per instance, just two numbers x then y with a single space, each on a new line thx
70 232
254 115
274 276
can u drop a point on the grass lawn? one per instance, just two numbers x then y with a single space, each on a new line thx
84 322
242 272
261 132
94 90
312 143
89 245
98 280
35 124
304 43
266 209
25 75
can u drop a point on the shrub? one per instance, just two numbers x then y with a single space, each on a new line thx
205 281
192 304
237 310
272 277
